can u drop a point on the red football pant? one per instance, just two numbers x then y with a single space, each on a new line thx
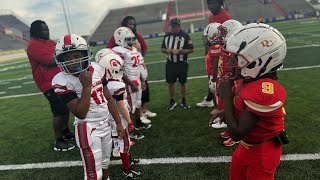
256 163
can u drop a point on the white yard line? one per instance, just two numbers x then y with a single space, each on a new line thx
20 95
14 87
163 80
28 82
3 92
176 160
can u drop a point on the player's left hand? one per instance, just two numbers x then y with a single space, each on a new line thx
120 131
216 114
225 88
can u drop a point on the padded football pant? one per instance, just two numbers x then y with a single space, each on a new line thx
256 162
94 141
134 98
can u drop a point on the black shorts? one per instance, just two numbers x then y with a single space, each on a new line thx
145 94
176 70
58 108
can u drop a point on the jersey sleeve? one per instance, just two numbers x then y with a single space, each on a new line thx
265 98
63 89
144 46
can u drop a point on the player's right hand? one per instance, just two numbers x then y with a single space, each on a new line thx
85 78
216 114
134 87
169 51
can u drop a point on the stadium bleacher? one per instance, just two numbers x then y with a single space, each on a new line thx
13 41
149 22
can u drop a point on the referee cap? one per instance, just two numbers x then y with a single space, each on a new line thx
175 21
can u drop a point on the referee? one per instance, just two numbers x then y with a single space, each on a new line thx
177 45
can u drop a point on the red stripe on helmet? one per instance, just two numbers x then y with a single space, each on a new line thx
67 39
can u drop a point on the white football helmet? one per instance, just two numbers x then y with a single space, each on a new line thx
228 27
211 34
124 37
114 66
254 51
69 43
103 52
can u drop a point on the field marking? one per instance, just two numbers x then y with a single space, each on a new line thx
13 67
4 83
163 80
11 63
20 95
28 82
14 87
3 92
175 160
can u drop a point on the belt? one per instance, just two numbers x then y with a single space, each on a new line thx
248 145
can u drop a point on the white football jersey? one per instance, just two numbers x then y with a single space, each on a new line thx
132 61
65 83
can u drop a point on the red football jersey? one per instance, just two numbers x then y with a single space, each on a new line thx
219 18
214 51
265 98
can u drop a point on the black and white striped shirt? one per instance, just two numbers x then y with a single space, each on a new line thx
177 41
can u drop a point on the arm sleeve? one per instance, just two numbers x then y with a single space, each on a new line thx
144 46
40 54
111 43
68 97
119 97
188 43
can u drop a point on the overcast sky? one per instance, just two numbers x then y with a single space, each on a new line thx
84 14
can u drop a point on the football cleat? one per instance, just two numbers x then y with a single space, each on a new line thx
185 105
131 174
229 142
205 103
62 146
145 120
218 125
225 135
136 135
171 105
142 125
150 114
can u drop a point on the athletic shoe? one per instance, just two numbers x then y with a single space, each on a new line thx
142 125
205 103
134 162
171 105
136 135
218 125
145 120
131 174
185 105
225 135
116 153
62 146
229 142
150 114
67 135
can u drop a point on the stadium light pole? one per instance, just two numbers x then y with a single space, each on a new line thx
65 16
177 11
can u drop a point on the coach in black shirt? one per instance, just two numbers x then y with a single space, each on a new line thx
177 45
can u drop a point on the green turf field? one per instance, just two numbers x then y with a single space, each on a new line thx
26 134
